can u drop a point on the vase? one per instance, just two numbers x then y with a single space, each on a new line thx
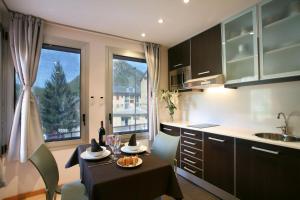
171 118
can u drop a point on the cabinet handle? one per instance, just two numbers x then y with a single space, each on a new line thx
191 134
205 82
215 139
265 150
187 142
206 72
189 170
177 65
167 129
190 161
187 151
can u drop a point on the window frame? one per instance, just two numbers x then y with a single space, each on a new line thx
69 44
133 56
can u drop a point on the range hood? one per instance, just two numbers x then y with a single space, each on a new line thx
205 82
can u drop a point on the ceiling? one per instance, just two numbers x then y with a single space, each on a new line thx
130 18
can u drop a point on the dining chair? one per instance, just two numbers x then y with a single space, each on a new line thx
165 147
46 165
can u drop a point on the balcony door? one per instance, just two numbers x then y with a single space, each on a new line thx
128 93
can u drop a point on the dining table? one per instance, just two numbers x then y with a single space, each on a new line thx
105 180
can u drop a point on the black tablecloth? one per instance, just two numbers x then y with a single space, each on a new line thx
153 178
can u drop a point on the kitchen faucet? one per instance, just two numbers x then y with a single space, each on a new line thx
284 128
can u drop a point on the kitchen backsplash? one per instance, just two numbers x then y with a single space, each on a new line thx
252 107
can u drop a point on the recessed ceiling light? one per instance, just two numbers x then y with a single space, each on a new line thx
160 21
186 1
143 34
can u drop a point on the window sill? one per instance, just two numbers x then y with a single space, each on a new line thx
66 144
139 136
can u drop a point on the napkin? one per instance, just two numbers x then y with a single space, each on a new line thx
132 141
95 146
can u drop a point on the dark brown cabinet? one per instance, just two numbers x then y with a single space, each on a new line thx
192 152
174 131
179 55
206 53
266 171
219 161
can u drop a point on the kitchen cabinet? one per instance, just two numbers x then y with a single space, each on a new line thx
179 55
265 171
174 131
219 161
206 54
191 157
240 52
279 38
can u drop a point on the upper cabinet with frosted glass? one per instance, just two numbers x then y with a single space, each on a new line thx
239 45
279 31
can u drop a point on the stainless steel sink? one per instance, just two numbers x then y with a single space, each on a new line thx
279 137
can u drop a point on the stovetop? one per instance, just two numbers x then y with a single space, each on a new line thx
204 125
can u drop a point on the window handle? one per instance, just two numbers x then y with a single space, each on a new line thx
83 119
110 118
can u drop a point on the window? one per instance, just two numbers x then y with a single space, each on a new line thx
130 84
57 91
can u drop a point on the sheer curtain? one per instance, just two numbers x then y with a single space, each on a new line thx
152 53
25 40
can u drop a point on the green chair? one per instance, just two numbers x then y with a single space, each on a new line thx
165 147
45 163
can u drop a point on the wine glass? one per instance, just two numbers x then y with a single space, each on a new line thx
110 141
117 144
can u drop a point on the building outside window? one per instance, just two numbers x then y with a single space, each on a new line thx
130 88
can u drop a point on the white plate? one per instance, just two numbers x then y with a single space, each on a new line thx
139 162
84 155
142 149
95 154
133 148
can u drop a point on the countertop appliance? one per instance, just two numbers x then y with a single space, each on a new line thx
178 77
204 125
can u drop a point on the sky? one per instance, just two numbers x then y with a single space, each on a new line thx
70 63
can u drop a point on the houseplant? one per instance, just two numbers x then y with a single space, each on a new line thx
170 97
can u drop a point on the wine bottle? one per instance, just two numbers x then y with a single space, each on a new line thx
101 134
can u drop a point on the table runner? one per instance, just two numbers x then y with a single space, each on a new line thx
153 178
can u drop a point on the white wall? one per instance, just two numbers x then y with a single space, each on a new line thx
24 178
251 107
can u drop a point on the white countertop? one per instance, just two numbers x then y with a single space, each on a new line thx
236 133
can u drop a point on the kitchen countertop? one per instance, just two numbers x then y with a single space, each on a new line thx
246 134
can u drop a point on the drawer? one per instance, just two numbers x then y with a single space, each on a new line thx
191 152
192 161
170 130
197 144
191 170
191 133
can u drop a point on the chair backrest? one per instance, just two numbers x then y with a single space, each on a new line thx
45 163
165 147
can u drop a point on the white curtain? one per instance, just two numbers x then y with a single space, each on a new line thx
152 53
25 40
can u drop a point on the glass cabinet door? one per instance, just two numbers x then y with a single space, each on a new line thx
279 38
239 44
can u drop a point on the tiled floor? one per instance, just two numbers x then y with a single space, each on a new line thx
190 192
